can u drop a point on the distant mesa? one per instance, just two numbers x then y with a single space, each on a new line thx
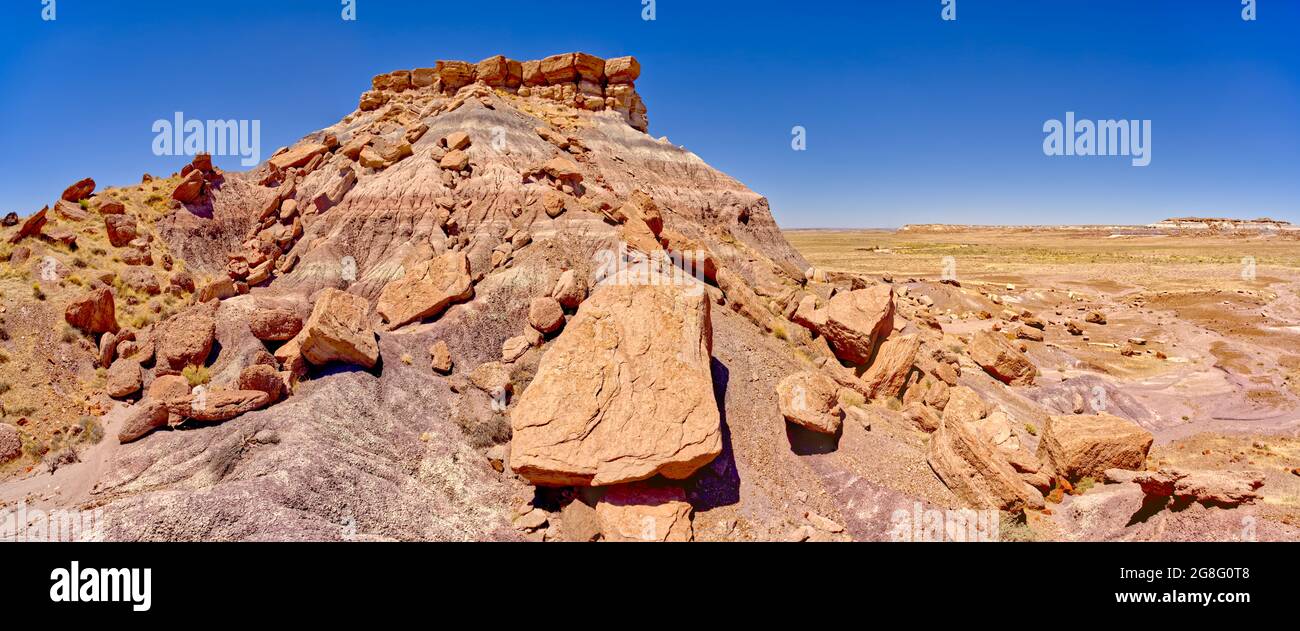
1177 225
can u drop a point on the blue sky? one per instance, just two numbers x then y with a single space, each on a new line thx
909 118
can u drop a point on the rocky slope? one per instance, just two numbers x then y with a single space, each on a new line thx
487 305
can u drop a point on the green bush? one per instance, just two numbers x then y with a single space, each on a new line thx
196 375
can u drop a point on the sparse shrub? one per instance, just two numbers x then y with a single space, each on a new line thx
1014 527
494 430
69 334
851 398
33 446
1083 485
5 387
407 359
196 375
37 292
1031 428
91 430
779 331
893 404
85 204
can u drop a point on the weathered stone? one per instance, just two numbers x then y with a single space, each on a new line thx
454 74
298 156
1219 488
426 290
221 405
964 405
889 370
124 379
274 324
93 312
493 71
79 191
640 512
190 189
142 280
337 331
808 399
440 357
1080 446
70 211
558 69
121 229
31 226
545 314
622 70
11 443
262 378
166 387
570 290
456 141
857 320
144 417
187 338
455 160
514 348
999 358
624 393
975 472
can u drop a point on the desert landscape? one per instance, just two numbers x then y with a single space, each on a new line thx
486 305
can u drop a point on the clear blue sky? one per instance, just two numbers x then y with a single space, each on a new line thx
909 118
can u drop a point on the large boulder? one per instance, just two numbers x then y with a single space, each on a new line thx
337 331
187 338
261 378
622 70
625 392
31 226
121 229
640 512
79 191
221 405
124 379
426 290
190 188
1225 489
969 466
274 324
558 69
893 363
964 405
857 320
1080 446
298 156
545 314
808 399
570 290
93 312
167 387
148 415
999 358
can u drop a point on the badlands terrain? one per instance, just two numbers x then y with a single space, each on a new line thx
487 305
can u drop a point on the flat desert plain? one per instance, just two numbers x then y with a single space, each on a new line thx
1196 337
